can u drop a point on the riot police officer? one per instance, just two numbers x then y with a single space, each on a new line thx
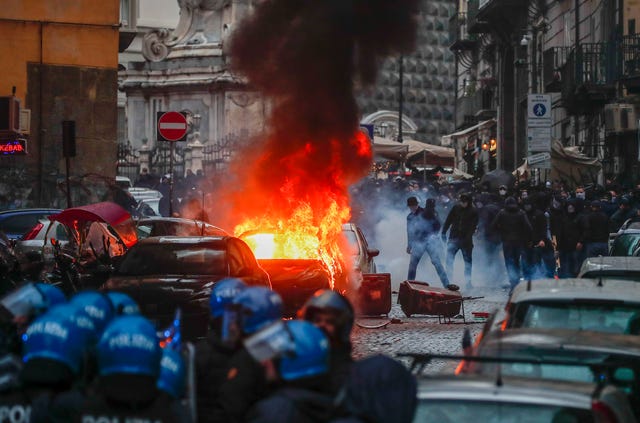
252 310
128 358
214 352
303 375
333 314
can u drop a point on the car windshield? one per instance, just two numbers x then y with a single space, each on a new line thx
442 411
567 372
353 241
173 259
621 274
595 316
625 245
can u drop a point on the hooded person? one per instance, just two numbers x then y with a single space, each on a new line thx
379 390
568 236
461 223
515 232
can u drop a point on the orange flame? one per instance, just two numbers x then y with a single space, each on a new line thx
291 201
298 237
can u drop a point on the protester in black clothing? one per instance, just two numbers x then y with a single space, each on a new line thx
334 315
532 259
624 212
515 231
301 374
461 223
595 236
568 235
214 353
489 240
422 229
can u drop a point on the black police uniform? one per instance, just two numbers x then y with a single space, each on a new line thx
292 404
245 384
212 365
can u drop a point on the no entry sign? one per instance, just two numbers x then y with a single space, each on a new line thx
171 126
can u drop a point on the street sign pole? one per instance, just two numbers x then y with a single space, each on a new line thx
171 150
171 127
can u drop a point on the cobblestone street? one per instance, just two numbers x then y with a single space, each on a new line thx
423 334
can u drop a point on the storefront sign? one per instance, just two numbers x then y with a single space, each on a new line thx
14 146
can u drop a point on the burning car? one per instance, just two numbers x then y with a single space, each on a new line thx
294 275
298 264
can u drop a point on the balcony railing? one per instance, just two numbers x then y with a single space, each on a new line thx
459 38
553 61
630 57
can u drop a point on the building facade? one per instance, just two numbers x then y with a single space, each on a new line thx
580 54
428 79
63 65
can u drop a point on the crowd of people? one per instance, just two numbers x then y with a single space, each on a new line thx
94 358
543 230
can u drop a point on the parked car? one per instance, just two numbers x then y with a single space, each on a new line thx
148 201
602 305
30 249
565 355
612 267
363 255
17 222
175 226
626 243
166 273
491 398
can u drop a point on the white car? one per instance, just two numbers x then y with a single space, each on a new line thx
599 305
34 250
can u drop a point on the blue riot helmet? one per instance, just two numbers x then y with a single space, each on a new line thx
54 347
123 304
97 305
52 294
129 345
173 373
327 307
82 321
256 307
223 293
311 352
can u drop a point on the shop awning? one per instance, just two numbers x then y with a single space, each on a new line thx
427 153
447 139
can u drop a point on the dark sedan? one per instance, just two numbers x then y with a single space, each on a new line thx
164 273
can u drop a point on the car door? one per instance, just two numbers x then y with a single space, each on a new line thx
243 264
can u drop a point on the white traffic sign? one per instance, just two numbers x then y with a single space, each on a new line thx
539 110
539 138
540 160
172 126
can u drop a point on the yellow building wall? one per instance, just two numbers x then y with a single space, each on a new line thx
61 32
631 11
